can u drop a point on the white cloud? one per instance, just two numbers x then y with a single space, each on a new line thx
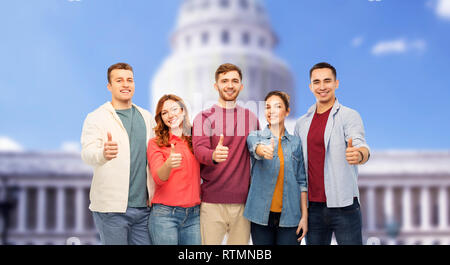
440 7
443 9
357 41
398 46
71 147
9 145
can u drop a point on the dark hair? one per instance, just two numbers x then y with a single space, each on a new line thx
161 129
121 66
321 66
227 67
283 95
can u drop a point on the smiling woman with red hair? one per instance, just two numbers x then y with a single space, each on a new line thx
175 217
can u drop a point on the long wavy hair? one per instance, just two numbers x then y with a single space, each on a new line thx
161 129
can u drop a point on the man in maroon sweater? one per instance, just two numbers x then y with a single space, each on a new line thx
219 143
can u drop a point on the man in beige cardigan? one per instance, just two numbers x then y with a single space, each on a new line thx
114 141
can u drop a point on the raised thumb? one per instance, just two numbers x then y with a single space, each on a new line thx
172 149
221 140
109 137
350 142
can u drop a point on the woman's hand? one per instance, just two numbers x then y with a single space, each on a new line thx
266 151
302 228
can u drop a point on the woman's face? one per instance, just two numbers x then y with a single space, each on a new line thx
276 111
172 114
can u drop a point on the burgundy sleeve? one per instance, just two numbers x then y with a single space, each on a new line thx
201 141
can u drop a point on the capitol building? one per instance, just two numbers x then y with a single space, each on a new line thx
209 33
44 197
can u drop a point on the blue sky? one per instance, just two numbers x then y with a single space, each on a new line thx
392 58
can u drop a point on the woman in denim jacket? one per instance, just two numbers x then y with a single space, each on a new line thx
277 201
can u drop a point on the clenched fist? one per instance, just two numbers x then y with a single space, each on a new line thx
266 151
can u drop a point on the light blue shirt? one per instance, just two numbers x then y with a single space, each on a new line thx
341 178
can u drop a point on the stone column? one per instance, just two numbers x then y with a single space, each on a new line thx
22 210
406 209
388 204
79 209
425 208
443 208
41 209
60 209
371 217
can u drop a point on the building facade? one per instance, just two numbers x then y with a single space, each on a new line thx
404 198
44 197
48 194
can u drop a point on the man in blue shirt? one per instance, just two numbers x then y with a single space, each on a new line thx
333 142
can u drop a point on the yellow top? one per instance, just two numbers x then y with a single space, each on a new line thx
277 199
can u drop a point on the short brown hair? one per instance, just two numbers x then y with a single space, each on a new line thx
122 66
227 67
283 95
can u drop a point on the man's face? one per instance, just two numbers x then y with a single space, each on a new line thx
323 85
229 86
122 85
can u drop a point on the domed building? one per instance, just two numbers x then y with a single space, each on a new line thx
44 196
209 33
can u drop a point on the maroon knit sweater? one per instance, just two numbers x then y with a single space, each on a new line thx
229 181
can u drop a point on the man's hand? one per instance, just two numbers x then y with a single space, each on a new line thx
174 159
266 151
110 149
352 154
220 154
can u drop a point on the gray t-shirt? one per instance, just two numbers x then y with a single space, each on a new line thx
134 123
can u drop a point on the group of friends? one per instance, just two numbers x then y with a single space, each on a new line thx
162 180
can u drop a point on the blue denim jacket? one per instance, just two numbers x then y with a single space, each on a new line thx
264 174
341 178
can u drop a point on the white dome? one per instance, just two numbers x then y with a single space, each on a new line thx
209 33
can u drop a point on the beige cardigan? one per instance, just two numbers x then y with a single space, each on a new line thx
110 183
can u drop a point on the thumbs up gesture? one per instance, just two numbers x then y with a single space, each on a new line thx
266 151
110 149
174 159
352 154
220 154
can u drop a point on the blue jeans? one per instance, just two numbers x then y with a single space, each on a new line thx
129 228
170 225
345 222
272 234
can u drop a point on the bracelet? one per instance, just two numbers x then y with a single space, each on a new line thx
362 157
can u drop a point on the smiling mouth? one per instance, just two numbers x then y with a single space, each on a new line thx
173 121
229 90
126 91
